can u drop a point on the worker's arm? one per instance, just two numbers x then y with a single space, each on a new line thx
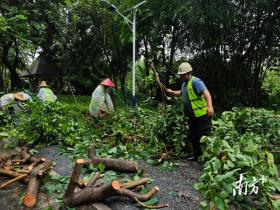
208 98
175 93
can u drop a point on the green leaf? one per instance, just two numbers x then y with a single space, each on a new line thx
144 191
216 164
136 177
276 204
199 186
227 187
270 158
101 167
203 205
220 203
152 201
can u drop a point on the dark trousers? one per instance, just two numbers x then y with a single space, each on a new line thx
198 127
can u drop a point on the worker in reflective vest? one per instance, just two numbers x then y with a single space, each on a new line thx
45 93
197 106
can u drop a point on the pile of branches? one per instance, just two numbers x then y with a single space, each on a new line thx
22 166
79 193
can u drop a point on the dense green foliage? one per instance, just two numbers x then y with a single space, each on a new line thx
232 45
172 130
88 42
49 123
243 143
144 131
271 86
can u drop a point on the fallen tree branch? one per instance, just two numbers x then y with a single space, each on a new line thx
12 174
133 184
93 194
93 180
112 163
138 196
152 207
23 171
13 180
81 183
97 194
17 161
276 151
28 157
5 165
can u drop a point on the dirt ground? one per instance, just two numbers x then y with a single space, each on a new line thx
176 186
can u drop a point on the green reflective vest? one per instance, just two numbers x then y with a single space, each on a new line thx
198 103
46 94
49 94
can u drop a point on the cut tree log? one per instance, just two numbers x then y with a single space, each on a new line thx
112 163
98 194
93 194
13 174
30 196
74 179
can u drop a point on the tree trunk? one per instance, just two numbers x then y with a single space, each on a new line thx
15 79
173 44
1 78
11 65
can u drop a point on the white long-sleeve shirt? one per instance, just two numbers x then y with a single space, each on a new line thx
6 99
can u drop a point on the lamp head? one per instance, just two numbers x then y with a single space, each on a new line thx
107 5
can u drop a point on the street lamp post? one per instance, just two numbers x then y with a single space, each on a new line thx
133 29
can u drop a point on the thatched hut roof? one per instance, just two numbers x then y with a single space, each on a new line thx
41 66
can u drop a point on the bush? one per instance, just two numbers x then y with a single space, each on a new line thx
241 145
171 128
271 86
47 123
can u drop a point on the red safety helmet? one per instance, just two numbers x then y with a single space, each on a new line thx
107 82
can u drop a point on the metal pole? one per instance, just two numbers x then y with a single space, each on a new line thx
133 57
133 23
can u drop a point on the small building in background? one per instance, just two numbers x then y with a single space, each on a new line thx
41 69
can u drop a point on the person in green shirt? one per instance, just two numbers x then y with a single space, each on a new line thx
45 93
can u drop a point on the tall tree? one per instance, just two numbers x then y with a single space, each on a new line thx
232 40
14 30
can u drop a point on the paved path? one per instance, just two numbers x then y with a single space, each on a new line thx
179 181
